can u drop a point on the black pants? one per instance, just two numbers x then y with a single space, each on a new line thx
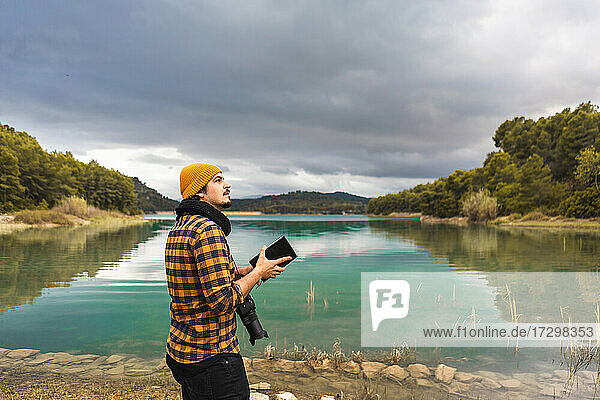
219 377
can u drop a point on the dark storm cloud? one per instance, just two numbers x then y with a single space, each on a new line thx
382 89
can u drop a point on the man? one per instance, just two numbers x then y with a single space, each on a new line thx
205 288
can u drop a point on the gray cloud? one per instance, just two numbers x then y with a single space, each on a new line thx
382 89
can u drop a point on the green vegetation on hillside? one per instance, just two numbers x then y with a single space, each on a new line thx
301 202
150 200
32 178
551 165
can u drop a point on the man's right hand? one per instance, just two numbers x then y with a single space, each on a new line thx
269 268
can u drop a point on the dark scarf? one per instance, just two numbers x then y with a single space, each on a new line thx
194 206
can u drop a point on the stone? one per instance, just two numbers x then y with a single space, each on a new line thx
458 388
489 383
40 359
545 376
114 359
3 351
62 358
465 377
371 368
510 384
325 365
74 370
247 363
118 370
418 371
260 364
286 396
350 367
553 391
327 397
258 396
424 382
285 365
561 374
20 354
99 361
589 375
395 372
161 365
444 373
260 386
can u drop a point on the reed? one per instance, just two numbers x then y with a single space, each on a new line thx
310 295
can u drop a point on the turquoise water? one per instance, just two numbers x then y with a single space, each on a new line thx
102 289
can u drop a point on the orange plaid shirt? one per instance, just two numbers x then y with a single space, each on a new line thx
200 271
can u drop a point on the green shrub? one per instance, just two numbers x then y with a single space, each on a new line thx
480 207
37 217
534 216
582 204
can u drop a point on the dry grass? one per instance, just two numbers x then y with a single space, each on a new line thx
39 217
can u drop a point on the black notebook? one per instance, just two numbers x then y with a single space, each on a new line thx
279 248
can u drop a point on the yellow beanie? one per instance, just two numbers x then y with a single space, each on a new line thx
195 176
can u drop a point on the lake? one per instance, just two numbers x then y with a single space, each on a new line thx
101 289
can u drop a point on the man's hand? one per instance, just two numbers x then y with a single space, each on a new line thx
264 269
269 268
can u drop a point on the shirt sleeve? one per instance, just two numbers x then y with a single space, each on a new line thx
222 294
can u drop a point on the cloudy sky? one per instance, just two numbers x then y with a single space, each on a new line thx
367 97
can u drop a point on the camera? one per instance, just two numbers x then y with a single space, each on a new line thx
247 313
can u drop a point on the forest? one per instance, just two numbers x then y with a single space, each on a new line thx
31 178
302 202
551 165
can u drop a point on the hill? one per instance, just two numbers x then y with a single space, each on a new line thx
149 200
303 202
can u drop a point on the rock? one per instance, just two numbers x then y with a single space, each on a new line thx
490 384
20 354
589 375
465 377
444 374
395 372
3 351
40 359
62 358
285 365
260 386
260 364
458 388
371 368
247 363
114 359
510 384
561 374
138 372
118 370
424 382
545 376
350 367
161 365
418 371
325 365
100 360
327 397
258 396
553 391
286 396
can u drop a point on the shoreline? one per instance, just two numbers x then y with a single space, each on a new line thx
8 226
32 374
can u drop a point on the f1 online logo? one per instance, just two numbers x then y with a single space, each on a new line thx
389 300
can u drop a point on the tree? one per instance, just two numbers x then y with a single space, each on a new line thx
588 167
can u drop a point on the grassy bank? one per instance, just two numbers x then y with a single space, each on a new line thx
71 211
532 220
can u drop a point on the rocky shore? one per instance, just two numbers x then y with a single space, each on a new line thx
28 373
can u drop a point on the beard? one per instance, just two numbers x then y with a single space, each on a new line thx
226 204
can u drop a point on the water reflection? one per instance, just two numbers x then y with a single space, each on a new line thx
35 259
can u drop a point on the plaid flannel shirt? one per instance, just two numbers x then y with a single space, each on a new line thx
200 271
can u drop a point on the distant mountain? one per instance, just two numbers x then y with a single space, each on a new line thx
301 202
150 200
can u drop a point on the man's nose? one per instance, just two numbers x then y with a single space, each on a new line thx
227 185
